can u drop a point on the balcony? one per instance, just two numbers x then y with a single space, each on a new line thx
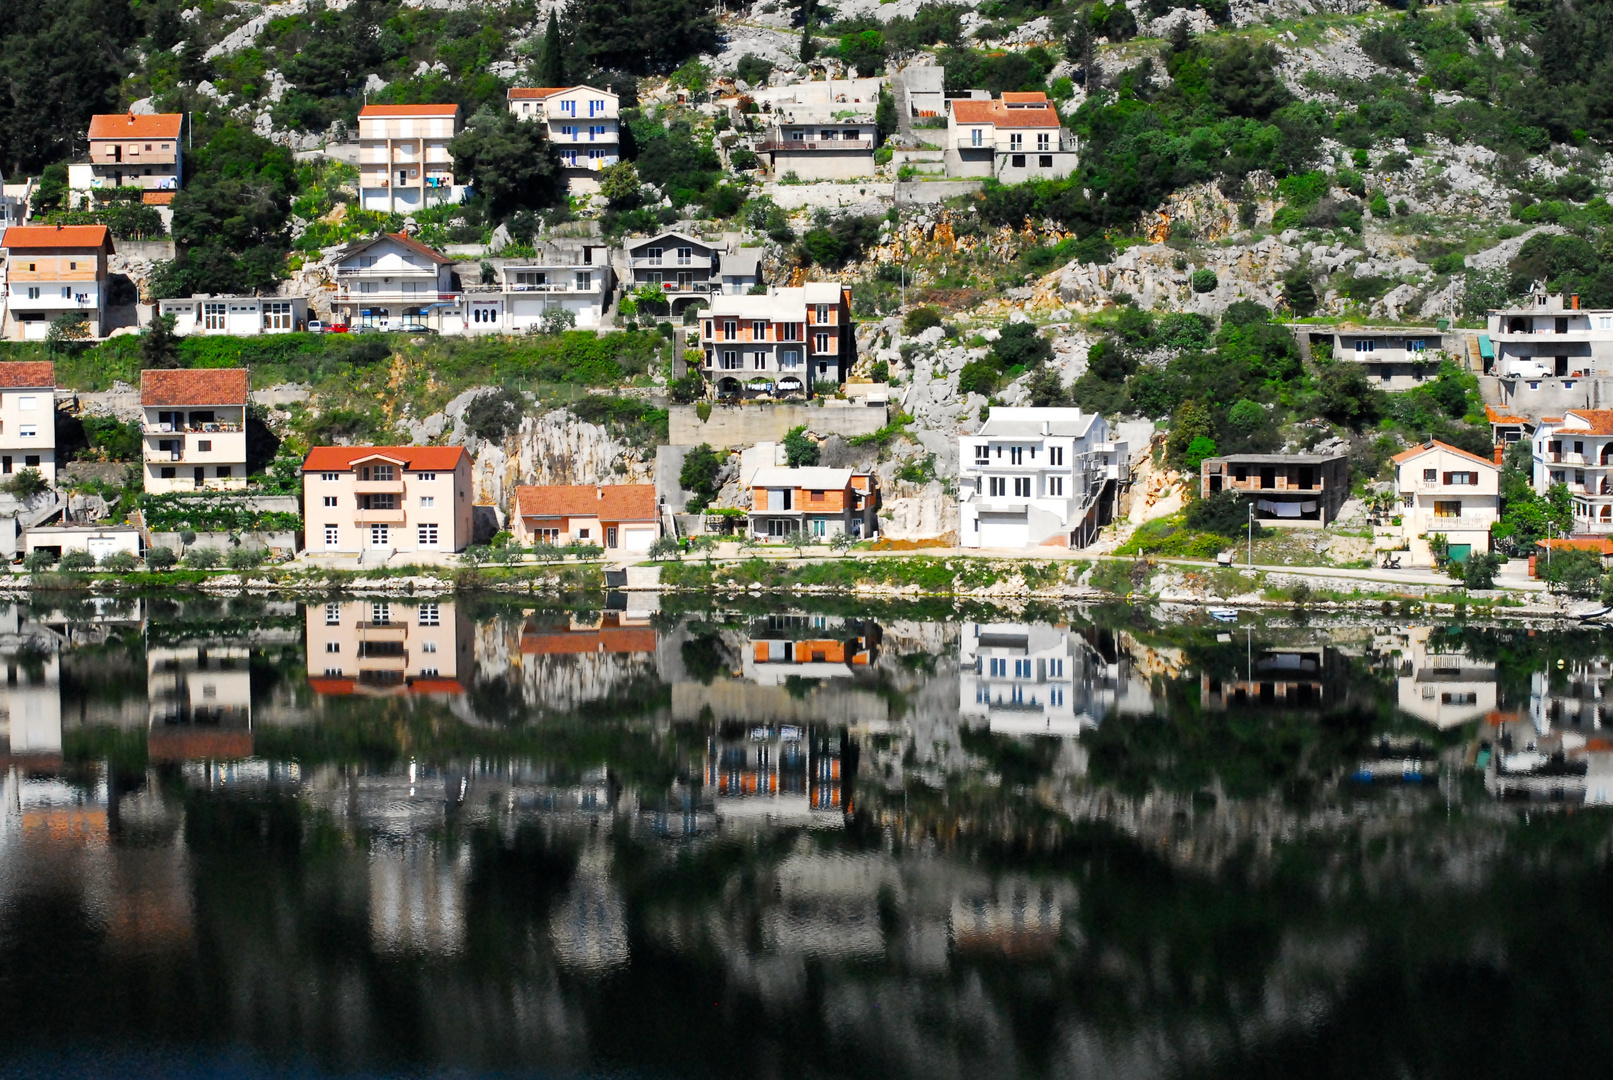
697 262
219 428
378 517
378 487
387 631
690 287
551 287
772 145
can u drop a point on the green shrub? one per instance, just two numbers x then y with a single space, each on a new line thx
119 562
39 559
160 558
977 377
1204 280
203 558
245 558
78 560
920 319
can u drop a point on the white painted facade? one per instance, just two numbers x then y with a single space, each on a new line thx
1031 477
584 125
403 157
1447 492
575 278
1033 679
236 316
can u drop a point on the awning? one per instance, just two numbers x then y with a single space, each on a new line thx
1486 350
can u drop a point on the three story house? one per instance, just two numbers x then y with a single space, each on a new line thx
194 429
789 341
1446 492
381 500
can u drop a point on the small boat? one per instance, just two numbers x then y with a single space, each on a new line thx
1589 613
1224 614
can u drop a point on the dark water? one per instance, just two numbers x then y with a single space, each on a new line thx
250 839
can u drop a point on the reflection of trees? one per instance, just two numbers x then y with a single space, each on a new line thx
705 657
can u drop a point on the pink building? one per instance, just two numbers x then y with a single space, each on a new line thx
613 516
383 647
386 499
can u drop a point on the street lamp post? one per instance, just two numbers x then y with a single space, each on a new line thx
1251 535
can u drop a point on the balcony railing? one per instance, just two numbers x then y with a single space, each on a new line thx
551 287
219 428
810 144
378 517
697 262
688 287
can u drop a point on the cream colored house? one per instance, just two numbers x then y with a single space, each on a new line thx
583 124
127 150
385 499
386 647
194 429
403 157
1446 492
1015 138
28 418
615 516
394 280
55 270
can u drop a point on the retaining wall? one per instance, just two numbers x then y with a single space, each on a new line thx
747 425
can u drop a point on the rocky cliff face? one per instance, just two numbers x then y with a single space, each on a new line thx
554 448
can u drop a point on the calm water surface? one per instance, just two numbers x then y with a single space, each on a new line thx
467 838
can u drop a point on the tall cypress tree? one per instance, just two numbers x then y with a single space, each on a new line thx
551 64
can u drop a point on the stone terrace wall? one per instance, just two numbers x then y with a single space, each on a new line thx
747 425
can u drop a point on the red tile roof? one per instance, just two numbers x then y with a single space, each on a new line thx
1599 544
1417 451
610 502
23 374
1501 416
519 92
408 110
195 386
407 241
57 236
157 198
413 458
130 126
1022 97
1595 421
995 112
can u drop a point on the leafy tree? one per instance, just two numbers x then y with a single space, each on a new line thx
558 320
1344 394
1191 421
77 561
1200 448
838 243
203 558
1046 388
1480 569
50 194
1574 571
1246 417
865 51
119 562
117 440
753 69
39 559
885 120
509 161
920 319
799 450
25 484
1224 513
160 558
495 414
699 473
620 185
67 332
978 377
61 61
1204 280
642 37
1298 292
932 24
1021 345
159 345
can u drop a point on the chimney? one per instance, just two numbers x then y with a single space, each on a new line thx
131 115
600 493
1500 451
1576 301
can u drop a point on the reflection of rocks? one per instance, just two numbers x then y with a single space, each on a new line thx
589 927
417 897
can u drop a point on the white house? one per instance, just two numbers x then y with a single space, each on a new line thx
403 157
1576 450
823 129
1015 138
584 124
574 276
28 417
392 280
1032 477
236 316
1446 492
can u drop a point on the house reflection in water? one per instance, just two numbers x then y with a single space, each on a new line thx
1290 678
200 697
417 894
808 647
780 773
385 647
31 700
584 659
1574 696
1037 679
1444 688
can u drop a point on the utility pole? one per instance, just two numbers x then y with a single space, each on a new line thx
1251 535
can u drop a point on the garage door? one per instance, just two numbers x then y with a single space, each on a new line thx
1004 531
638 539
101 546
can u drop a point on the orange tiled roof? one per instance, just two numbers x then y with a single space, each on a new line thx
608 502
157 198
57 236
408 110
1417 451
414 458
1595 421
1500 416
995 112
519 92
195 386
1013 97
23 374
1600 544
130 126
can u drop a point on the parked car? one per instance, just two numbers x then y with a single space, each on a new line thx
337 328
315 326
410 328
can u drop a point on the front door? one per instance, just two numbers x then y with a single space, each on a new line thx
379 535
200 474
610 536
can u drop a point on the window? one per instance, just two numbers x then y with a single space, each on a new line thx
789 332
817 496
330 476
1055 669
758 331
427 535
826 135
333 646
1042 141
1447 509
67 292
28 403
1045 161
654 255
33 292
759 361
277 315
1016 455
29 431
1430 475
730 330
428 501
1363 345
428 646
976 137
1017 160
1055 486
330 500
1417 345
430 615
982 454
790 358
1022 669
1016 141
821 315
213 316
1459 479
333 614
820 527
999 486
822 344
998 666
381 614
331 535
204 445
333 672
582 534
380 536
1055 695
1055 455
685 256
425 476
730 360
1022 487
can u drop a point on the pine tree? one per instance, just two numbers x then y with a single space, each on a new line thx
551 64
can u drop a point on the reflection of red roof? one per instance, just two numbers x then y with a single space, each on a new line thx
1417 451
995 112
620 639
408 110
413 458
23 374
436 686
331 686
194 386
130 126
608 502
57 236
196 744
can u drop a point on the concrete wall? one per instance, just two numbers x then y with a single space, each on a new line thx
225 542
747 425
1555 396
145 249
933 191
824 164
